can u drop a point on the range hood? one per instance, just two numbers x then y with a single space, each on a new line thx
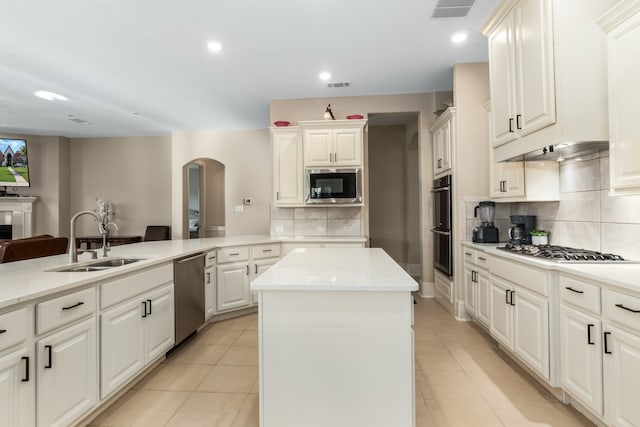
563 151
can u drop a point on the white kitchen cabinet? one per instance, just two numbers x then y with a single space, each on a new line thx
521 64
160 333
17 388
507 180
622 364
501 320
233 286
531 329
67 374
581 356
209 292
334 143
622 25
483 295
259 267
288 172
470 303
476 282
443 135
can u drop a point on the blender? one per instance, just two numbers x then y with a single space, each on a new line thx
487 232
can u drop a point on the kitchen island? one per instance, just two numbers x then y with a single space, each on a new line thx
336 340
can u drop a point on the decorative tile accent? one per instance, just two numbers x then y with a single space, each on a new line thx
310 227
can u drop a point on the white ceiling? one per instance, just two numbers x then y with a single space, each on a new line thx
115 57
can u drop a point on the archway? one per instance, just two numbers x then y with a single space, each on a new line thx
203 210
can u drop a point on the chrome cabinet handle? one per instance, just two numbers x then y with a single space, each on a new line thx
208 278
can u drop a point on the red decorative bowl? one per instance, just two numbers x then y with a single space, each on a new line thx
355 117
281 123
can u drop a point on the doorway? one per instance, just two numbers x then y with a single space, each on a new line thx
394 188
204 199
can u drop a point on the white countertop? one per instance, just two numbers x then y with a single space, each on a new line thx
621 275
335 269
28 280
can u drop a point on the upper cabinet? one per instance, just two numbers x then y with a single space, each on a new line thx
288 182
521 71
546 86
443 135
622 27
334 143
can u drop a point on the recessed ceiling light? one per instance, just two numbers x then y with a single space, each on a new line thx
50 96
325 76
214 46
459 37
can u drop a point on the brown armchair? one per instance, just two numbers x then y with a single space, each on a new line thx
32 247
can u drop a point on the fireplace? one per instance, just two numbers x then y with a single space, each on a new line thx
16 217
6 232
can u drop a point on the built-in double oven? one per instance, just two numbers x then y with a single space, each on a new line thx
442 237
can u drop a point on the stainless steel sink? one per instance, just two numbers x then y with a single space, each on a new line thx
98 265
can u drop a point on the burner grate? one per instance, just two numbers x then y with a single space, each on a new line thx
562 253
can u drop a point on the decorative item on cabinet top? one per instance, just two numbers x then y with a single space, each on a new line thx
281 123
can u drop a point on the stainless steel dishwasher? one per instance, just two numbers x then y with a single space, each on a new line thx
188 277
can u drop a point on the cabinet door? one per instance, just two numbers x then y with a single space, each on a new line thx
67 374
447 140
531 330
17 389
209 292
438 144
121 345
483 293
501 320
259 267
470 290
581 357
318 147
502 84
621 373
624 92
513 176
287 168
159 328
347 147
233 286
534 60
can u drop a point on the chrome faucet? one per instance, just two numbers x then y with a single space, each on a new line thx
73 250
105 248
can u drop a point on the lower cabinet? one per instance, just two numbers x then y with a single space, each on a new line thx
621 368
67 374
17 388
520 321
209 292
259 267
232 286
476 283
133 334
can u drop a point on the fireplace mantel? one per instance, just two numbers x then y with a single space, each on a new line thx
17 211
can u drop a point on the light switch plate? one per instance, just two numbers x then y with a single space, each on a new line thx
239 208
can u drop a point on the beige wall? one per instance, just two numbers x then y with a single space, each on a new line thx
246 155
294 110
134 173
48 162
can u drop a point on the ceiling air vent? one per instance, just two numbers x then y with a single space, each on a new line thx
79 121
452 8
339 84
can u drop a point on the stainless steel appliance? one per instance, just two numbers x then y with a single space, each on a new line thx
188 279
328 186
520 232
486 232
564 254
442 234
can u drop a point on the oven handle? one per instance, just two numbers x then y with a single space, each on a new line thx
441 189
444 233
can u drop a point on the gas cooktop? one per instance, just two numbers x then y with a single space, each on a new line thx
564 254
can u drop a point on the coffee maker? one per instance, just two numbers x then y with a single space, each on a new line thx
520 231
487 232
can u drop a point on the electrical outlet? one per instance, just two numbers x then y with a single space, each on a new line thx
246 200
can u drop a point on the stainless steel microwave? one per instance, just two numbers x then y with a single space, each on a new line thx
326 186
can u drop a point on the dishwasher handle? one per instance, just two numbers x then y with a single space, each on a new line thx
183 260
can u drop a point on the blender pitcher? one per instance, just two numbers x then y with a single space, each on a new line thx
487 212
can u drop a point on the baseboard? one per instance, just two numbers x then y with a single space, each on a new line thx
427 290
461 312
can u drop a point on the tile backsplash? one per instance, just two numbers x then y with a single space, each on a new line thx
316 221
586 216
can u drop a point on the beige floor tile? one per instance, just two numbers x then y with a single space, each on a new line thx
423 415
217 336
248 337
573 417
241 356
208 410
456 385
174 377
195 353
484 360
142 408
255 388
454 412
249 415
230 379
237 323
496 388
437 362
538 414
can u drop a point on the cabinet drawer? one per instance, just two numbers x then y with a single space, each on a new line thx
210 259
265 251
482 259
469 255
64 310
14 327
232 254
580 294
623 309
134 284
515 272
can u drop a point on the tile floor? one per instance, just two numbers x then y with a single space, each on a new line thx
462 379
